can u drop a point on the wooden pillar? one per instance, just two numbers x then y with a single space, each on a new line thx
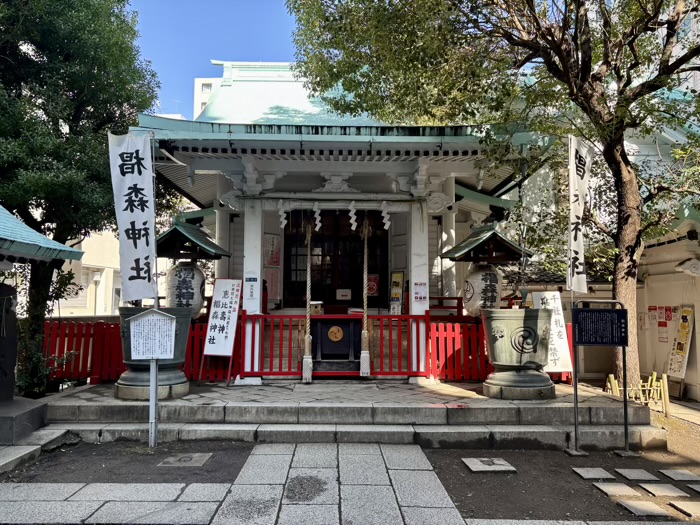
419 279
252 277
449 272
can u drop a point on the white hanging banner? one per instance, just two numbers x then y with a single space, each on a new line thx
559 357
580 160
132 182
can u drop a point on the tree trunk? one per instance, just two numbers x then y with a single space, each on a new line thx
629 224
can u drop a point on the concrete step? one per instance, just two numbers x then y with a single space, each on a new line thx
19 418
50 439
13 456
486 412
592 437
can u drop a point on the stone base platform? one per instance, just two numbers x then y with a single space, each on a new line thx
432 415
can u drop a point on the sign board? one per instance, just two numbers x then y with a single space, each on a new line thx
223 317
678 358
152 335
396 294
559 357
600 327
373 284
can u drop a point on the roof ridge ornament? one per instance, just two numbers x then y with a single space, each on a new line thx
336 183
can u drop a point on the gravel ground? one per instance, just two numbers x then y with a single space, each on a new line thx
545 487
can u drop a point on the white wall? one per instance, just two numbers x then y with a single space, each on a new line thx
663 286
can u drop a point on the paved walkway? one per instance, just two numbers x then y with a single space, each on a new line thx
304 484
327 392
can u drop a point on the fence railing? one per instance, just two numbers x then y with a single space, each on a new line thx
404 345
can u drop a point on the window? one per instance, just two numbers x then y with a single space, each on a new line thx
206 88
202 106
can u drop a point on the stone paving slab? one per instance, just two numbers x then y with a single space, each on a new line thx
542 522
488 465
616 490
38 491
664 490
196 459
285 449
205 492
48 511
129 492
593 473
363 470
696 488
264 470
354 449
319 455
369 506
644 508
689 508
155 512
311 486
423 516
419 488
636 474
309 515
405 457
680 475
250 505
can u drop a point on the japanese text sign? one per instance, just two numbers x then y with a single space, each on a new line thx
223 317
132 183
559 357
152 335
598 327
580 160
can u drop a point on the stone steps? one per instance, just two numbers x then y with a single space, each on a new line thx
592 437
472 413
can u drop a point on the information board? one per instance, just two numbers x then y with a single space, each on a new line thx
678 357
152 335
223 317
600 327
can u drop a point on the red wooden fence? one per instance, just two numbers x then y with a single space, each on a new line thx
451 351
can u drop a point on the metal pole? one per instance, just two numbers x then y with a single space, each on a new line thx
153 406
575 378
624 396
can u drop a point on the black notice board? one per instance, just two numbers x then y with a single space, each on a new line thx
599 327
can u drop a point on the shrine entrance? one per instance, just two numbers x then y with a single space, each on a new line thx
336 261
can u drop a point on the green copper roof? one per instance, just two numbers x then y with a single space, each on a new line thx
483 240
19 241
187 241
268 93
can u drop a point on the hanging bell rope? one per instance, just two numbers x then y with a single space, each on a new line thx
308 279
365 235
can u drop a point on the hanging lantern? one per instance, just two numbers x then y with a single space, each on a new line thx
482 290
185 287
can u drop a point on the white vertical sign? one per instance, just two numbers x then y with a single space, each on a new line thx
223 317
559 358
580 159
132 182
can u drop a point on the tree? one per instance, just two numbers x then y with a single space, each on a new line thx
598 69
69 71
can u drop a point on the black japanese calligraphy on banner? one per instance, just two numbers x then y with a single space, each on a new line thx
580 160
132 183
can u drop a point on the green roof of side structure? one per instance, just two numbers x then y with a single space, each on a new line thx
17 240
268 93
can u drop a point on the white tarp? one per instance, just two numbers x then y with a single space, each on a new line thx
132 182
580 159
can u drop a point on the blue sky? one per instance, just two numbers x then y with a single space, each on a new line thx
180 37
